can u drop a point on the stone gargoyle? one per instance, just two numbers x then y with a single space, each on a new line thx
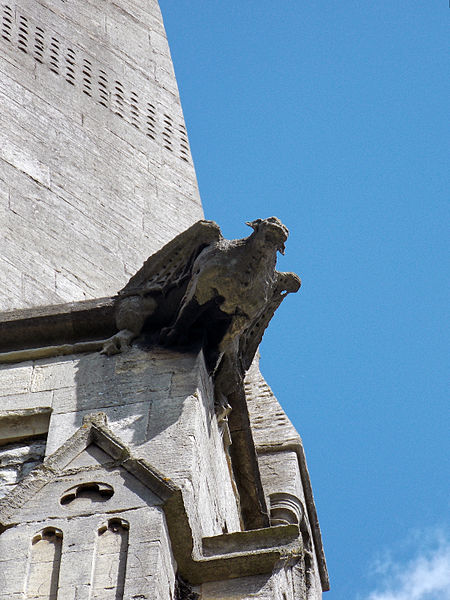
203 289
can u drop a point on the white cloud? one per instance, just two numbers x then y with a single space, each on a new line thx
424 577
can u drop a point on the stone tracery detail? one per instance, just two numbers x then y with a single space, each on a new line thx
93 492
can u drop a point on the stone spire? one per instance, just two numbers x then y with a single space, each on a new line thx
95 168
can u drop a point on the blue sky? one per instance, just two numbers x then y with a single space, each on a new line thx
334 116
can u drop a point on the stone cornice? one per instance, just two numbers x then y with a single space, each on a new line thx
30 329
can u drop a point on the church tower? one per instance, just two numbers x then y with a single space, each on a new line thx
142 454
96 171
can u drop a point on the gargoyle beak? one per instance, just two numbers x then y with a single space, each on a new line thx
254 224
282 249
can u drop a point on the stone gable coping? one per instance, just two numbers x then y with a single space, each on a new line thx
226 556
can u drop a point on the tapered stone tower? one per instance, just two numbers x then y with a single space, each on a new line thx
142 454
96 170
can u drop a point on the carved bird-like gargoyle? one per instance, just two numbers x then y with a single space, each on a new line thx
202 288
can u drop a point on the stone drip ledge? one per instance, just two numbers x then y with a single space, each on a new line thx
51 330
226 556
17 425
245 553
17 356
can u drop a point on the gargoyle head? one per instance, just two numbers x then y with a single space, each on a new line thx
273 231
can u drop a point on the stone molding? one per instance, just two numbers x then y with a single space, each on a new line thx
33 329
297 447
226 556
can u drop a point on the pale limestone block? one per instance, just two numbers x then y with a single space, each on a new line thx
10 281
279 585
185 444
243 588
24 261
57 120
77 592
280 473
68 286
15 542
76 566
128 422
143 588
158 42
15 379
26 163
13 575
166 80
34 291
152 561
109 574
92 456
27 400
164 417
98 397
86 15
184 384
100 381
43 573
54 375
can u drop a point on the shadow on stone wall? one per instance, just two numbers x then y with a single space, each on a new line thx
142 392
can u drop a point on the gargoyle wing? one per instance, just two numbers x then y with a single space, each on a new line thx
171 266
251 338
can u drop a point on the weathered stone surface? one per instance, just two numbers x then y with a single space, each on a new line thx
17 460
15 379
96 175
284 472
16 425
279 586
159 402
201 288
106 542
129 515
95 167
